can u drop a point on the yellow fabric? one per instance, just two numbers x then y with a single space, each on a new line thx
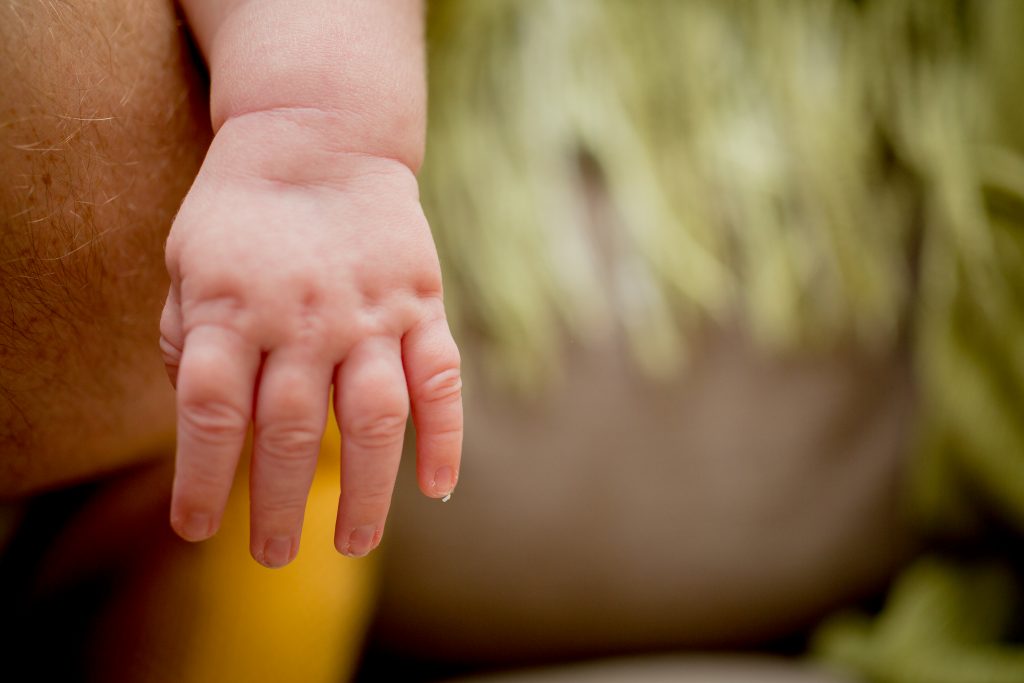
301 623
209 612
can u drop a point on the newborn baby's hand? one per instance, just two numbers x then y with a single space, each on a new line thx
292 269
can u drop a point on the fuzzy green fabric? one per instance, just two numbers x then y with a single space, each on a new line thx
823 170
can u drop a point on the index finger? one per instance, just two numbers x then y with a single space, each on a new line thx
216 380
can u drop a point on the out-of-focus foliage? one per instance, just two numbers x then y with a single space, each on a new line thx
823 171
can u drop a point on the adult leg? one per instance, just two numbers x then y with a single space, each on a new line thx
103 125
102 128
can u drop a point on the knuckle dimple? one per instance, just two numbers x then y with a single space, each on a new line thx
428 287
442 387
213 421
378 430
308 326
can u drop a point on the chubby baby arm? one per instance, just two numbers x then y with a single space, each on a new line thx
301 260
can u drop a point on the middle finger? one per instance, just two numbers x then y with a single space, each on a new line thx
291 412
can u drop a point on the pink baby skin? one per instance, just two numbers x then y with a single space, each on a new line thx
301 261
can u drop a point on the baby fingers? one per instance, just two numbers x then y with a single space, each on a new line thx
171 335
291 411
432 369
379 381
372 407
215 382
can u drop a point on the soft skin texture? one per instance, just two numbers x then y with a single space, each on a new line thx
301 260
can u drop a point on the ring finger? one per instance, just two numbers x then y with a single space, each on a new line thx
372 405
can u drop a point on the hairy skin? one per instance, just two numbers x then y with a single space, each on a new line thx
101 131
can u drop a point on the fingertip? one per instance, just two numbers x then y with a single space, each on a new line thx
193 526
439 483
359 541
276 552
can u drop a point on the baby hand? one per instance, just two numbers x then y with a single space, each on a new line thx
295 269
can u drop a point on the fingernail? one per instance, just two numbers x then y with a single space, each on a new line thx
277 552
443 482
196 526
361 541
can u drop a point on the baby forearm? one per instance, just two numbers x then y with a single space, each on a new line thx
356 66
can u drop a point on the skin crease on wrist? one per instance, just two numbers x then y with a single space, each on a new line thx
264 55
